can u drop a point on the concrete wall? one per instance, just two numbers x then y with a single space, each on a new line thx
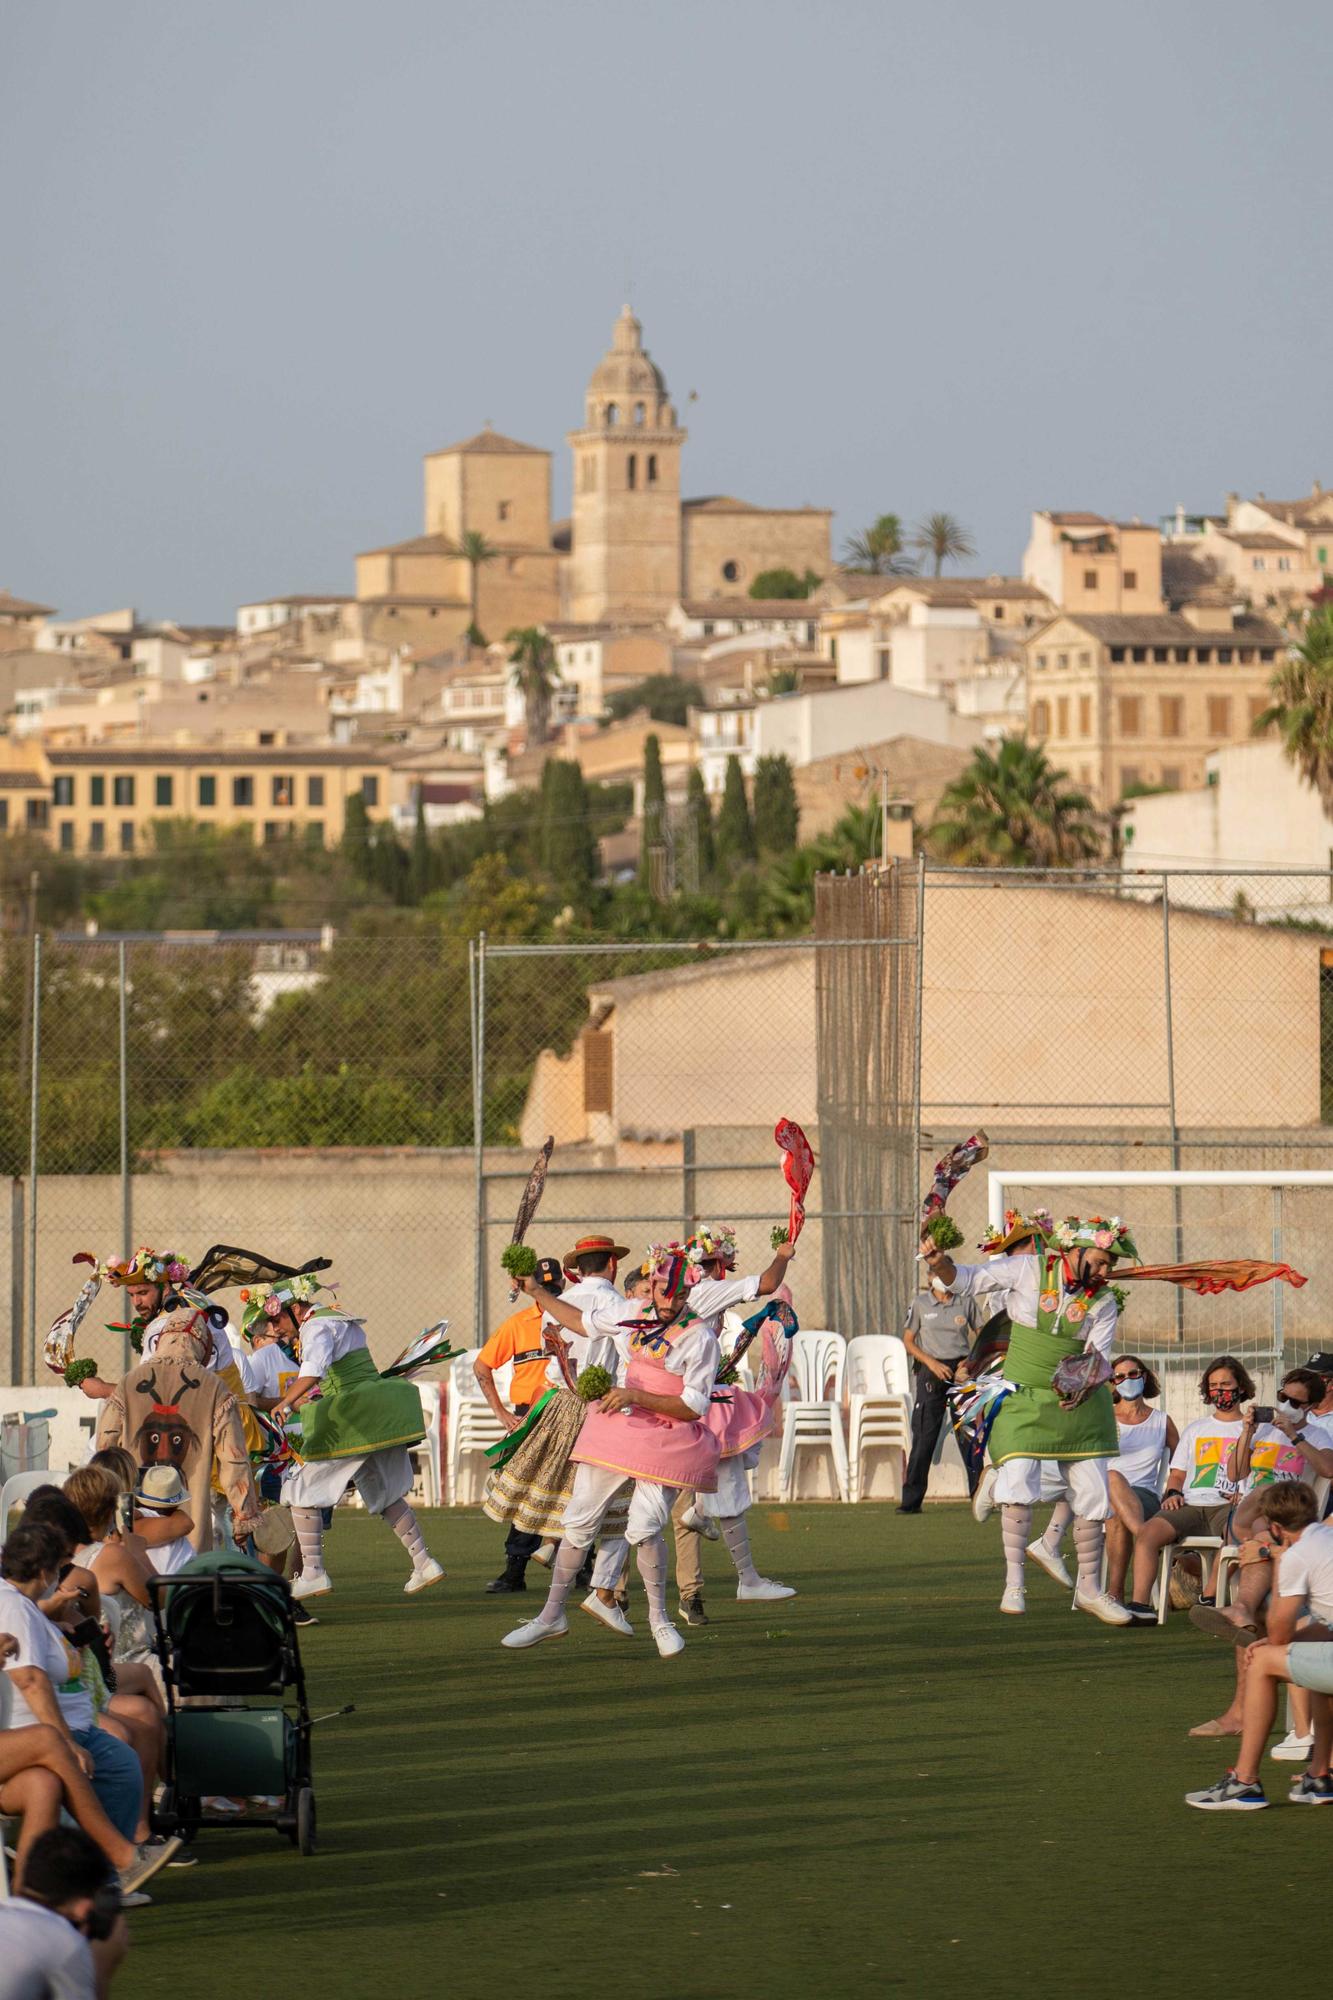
753 540
1256 812
803 727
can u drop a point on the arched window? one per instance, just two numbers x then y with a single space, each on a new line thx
1041 718
731 571
652 468
632 471
612 415
639 413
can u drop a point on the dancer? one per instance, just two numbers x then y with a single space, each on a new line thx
650 1436
518 1342
1057 1300
355 1430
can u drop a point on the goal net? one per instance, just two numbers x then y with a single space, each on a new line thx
1180 1217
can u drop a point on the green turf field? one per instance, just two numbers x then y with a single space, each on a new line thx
881 1785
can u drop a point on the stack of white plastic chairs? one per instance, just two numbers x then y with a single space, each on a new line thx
879 1409
812 1415
473 1426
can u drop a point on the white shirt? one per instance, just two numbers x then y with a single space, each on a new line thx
42 1956
1142 1457
589 1350
325 1340
269 1371
1306 1570
1016 1282
693 1353
712 1297
168 1557
40 1645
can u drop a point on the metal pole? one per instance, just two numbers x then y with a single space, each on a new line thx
1177 1199
917 1033
126 1208
1279 1335
477 956
32 1146
689 1190
17 1372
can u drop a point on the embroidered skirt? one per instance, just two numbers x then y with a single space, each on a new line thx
532 1491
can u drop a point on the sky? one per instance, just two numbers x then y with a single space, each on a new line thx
261 255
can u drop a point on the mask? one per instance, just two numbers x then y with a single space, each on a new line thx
1225 1399
1295 1413
1131 1386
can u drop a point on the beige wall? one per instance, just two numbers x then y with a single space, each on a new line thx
1125 578
754 540
626 560
504 495
518 590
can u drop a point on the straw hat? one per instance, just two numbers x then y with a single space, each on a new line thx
595 1246
160 1488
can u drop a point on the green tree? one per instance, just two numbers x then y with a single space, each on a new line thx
666 698
735 828
535 674
778 583
783 680
420 867
569 847
699 819
356 837
776 813
880 549
473 549
652 826
942 538
1301 709
389 864
1012 809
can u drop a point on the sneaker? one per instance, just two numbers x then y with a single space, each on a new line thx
983 1500
1228 1795
545 1555
1099 1605
1308 1791
136 1900
423 1576
763 1591
535 1631
510 1579
609 1615
1293 1749
312 1583
1140 1613
701 1524
692 1608
215 1805
1014 1601
146 1863
668 1640
300 1616
1051 1561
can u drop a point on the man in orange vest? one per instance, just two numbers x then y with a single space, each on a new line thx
520 1340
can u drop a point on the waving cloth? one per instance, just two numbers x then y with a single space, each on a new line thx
1230 1274
959 1160
798 1164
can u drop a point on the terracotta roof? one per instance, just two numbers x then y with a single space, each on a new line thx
308 597
20 607
1295 511
962 589
21 781
1165 629
1261 541
1079 520
143 756
725 503
491 441
419 545
750 607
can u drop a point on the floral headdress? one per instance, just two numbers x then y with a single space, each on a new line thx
1017 1228
675 1261
712 1239
265 1302
1097 1232
145 1267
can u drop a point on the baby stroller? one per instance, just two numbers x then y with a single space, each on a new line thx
238 1723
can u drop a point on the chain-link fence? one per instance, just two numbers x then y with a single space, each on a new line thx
380 1100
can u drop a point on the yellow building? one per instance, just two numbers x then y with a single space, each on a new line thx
1083 562
103 800
1125 701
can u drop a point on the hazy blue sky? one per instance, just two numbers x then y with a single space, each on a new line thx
258 258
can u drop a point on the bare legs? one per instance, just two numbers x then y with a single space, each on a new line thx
41 1747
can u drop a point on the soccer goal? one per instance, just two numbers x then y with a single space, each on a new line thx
1282 1214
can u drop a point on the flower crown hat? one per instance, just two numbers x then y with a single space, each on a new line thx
1018 1228
1096 1232
145 1267
266 1302
710 1241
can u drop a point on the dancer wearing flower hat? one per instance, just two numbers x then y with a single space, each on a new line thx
1053 1405
355 1429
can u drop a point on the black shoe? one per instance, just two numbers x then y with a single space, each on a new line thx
584 1577
1142 1614
511 1580
300 1615
905 1509
692 1609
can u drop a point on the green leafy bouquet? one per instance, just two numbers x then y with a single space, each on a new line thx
943 1231
593 1384
79 1371
519 1261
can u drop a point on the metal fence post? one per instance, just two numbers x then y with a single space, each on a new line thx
477 989
126 1198
1177 1200
689 1182
36 1046
17 1372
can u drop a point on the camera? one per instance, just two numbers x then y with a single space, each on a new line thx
101 1918
1263 1413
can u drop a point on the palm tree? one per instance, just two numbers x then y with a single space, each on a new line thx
1012 809
473 548
880 550
532 658
1302 706
943 538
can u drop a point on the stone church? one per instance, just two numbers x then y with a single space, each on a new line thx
633 550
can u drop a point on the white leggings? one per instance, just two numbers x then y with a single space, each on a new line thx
595 1487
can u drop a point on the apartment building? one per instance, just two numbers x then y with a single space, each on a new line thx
1083 562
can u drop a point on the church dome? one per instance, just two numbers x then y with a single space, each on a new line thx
627 387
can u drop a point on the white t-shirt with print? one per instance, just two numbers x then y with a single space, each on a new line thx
40 1645
1202 1455
1273 1457
1306 1570
269 1370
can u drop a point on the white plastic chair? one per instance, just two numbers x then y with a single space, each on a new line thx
18 1488
812 1417
1210 1544
878 1409
430 1446
473 1424
6 1715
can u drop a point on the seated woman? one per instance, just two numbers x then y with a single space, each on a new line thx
1199 1491
122 1573
1137 1475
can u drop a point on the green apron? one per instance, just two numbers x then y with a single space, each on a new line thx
1030 1423
358 1411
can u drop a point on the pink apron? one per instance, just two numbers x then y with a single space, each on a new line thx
752 1414
643 1445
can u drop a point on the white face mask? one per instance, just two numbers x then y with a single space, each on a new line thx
1130 1388
1295 1413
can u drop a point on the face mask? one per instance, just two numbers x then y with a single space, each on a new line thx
1225 1399
1295 1413
1131 1386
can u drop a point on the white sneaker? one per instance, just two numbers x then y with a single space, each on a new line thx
1098 1605
701 1524
1051 1561
534 1632
423 1576
1014 1600
312 1583
763 1591
669 1640
545 1555
1293 1749
610 1615
983 1500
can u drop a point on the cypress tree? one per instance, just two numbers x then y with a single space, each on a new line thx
735 829
569 852
356 837
420 871
700 817
653 830
776 813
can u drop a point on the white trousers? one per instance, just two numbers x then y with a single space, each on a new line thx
380 1478
1022 1482
732 1497
595 1487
